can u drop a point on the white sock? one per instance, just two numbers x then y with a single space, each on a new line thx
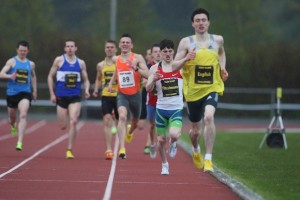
165 164
198 149
208 156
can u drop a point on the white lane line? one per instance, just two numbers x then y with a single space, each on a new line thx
109 185
28 131
45 148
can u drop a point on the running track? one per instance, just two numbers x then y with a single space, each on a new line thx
41 171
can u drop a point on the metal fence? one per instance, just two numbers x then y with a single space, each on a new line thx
234 102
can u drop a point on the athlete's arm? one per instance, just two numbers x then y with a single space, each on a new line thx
222 58
153 77
9 64
51 75
183 54
98 79
33 81
141 66
85 79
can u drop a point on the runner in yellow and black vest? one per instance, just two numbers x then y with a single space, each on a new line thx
202 58
105 70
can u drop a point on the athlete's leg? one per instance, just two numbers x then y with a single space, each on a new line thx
74 112
209 128
23 107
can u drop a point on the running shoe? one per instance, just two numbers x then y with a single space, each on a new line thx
146 150
153 151
19 146
165 169
13 130
208 166
109 155
69 154
173 149
122 153
128 136
198 160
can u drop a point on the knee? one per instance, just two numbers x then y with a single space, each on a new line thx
73 122
122 118
23 116
161 140
208 119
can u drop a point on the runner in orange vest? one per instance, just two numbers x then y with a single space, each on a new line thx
130 67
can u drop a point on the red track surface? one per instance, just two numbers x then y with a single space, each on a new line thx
41 171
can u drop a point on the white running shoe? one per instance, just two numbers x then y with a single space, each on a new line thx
153 151
173 149
165 169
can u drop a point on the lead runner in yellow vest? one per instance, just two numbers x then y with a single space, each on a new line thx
105 70
202 58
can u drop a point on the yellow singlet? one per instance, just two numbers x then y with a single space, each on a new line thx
202 75
107 72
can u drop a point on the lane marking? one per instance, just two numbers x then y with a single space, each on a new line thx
28 131
110 181
45 148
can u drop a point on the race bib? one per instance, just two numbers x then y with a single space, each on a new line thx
204 74
170 87
70 80
22 76
126 79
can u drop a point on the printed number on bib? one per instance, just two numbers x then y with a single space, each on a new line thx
126 79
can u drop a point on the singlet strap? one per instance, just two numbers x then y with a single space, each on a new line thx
211 42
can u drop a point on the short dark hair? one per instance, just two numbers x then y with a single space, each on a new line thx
199 11
70 40
23 43
126 35
154 45
166 44
111 41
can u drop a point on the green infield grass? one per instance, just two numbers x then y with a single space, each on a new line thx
273 173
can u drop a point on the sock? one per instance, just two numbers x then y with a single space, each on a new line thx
198 149
208 156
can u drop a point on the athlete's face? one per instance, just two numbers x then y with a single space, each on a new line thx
200 23
148 56
156 54
167 55
110 49
70 48
125 44
22 51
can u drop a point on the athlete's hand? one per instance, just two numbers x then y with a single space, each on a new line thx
224 74
87 94
53 98
95 93
157 76
110 88
13 76
130 64
191 54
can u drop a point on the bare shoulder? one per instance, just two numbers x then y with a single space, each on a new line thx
81 62
11 62
219 39
32 64
185 42
100 65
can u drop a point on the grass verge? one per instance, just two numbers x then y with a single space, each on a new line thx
270 172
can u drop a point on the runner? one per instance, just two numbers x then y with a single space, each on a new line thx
169 105
105 70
